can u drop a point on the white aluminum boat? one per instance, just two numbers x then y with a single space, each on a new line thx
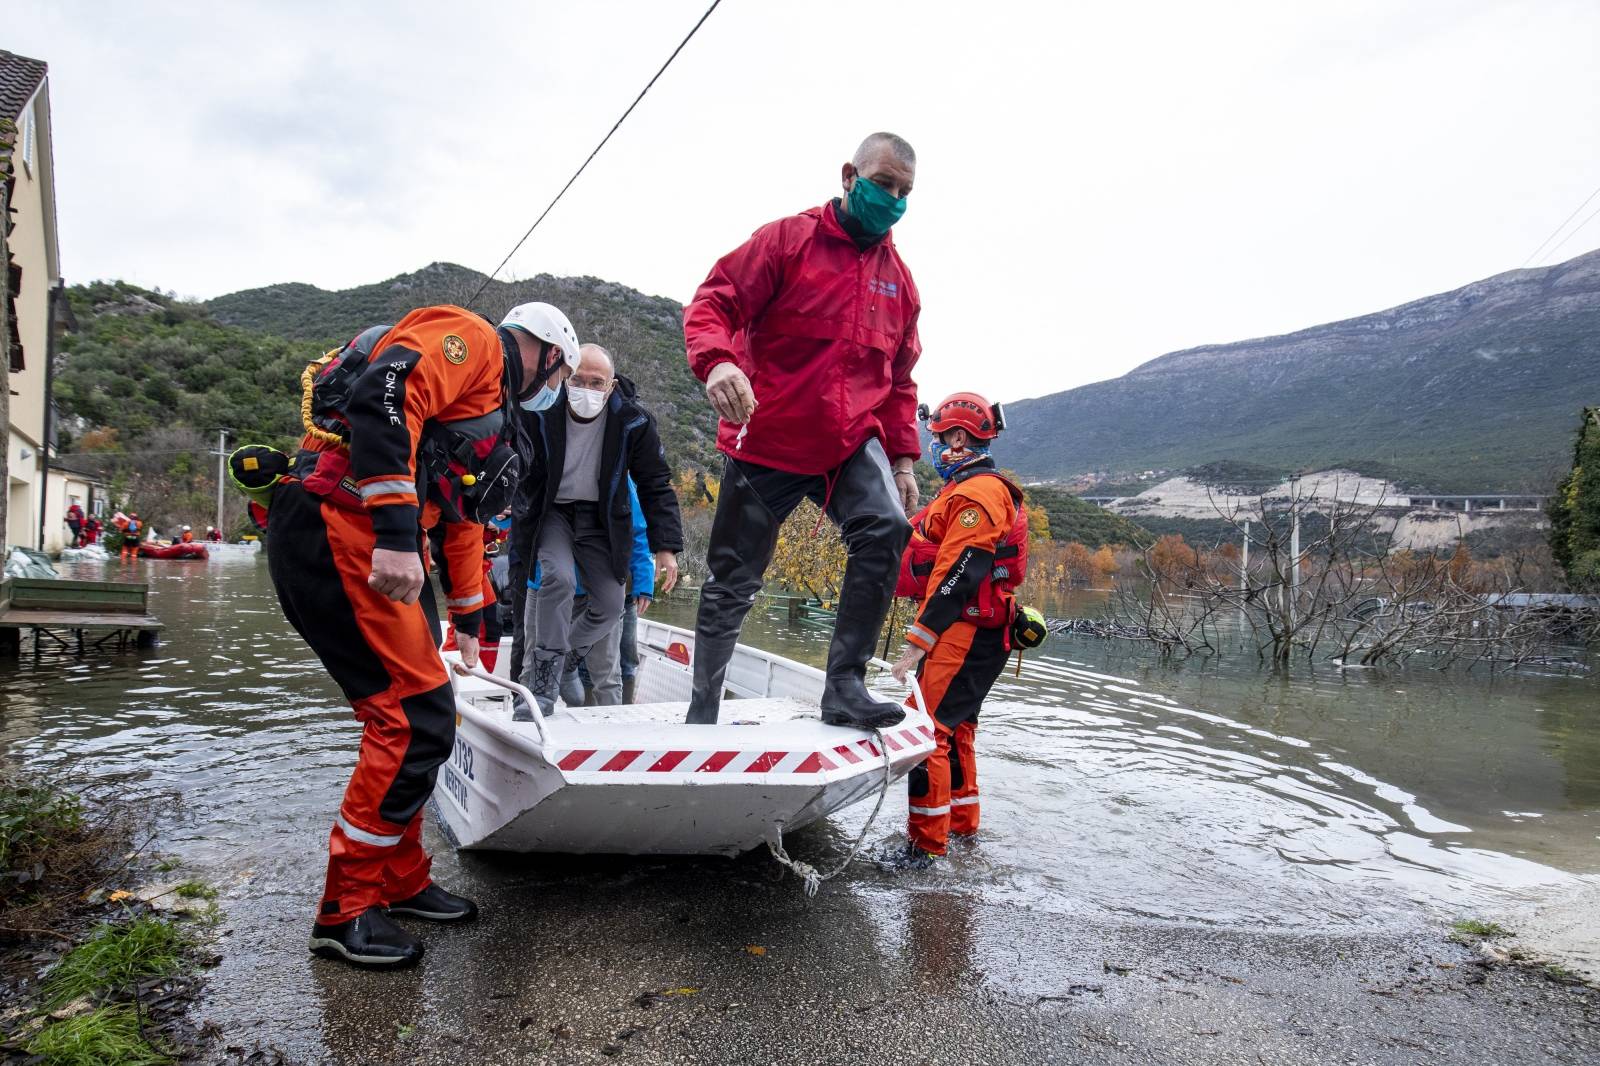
636 780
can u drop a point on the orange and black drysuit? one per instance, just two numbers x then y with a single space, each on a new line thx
968 551
439 366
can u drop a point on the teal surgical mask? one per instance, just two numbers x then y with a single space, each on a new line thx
872 206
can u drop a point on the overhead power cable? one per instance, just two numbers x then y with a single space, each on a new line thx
1563 226
1575 230
615 126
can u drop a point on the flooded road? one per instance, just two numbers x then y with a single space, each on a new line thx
1200 862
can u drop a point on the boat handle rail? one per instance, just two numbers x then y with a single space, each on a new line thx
511 686
911 680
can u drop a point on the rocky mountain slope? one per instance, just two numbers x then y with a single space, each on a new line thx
1478 389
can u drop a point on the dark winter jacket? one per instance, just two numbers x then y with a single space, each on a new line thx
631 448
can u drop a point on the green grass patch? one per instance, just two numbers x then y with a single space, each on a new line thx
166 864
33 819
195 890
109 1036
114 957
1476 927
1561 975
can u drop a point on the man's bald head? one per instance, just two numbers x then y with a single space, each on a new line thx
595 363
896 146
884 159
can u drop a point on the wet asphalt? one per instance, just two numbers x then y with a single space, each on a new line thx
717 961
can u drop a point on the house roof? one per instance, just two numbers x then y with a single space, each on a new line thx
20 78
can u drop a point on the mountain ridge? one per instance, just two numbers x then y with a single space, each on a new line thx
1508 356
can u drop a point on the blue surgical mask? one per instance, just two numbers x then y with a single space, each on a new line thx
946 462
541 400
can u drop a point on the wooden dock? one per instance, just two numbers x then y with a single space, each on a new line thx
88 614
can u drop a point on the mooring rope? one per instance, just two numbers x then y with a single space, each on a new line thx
809 875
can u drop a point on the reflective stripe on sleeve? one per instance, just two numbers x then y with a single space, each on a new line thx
470 601
924 633
379 488
365 837
931 810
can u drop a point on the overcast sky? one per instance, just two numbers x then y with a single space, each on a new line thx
1097 184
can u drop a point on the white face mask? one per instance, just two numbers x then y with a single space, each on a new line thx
586 403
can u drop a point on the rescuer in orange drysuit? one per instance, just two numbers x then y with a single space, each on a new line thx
406 426
968 553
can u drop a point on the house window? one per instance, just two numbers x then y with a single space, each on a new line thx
27 138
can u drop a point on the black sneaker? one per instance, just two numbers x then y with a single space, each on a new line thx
369 939
436 905
905 856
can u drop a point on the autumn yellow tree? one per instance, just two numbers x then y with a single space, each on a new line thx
810 556
1078 561
1172 558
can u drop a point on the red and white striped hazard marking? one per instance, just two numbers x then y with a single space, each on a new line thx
639 760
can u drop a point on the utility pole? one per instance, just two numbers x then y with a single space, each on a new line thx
1294 547
1244 560
222 469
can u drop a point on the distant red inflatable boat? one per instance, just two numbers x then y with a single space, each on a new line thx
173 551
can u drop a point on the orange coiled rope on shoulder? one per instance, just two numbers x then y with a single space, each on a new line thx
307 383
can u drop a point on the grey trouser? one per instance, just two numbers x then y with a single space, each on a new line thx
572 543
630 638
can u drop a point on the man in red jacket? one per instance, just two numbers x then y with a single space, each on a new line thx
805 336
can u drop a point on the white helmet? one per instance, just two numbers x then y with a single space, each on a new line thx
548 324
187 529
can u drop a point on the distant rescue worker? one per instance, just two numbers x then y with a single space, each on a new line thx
187 535
75 522
213 534
132 534
405 424
968 553
805 337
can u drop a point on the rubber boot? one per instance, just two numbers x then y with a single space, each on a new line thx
630 688
434 904
369 940
743 536
872 523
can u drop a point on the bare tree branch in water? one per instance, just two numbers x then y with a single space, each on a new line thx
1343 595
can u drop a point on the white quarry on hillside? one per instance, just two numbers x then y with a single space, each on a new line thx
1183 497
1409 516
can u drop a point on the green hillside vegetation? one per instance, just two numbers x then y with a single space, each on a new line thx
1575 509
1072 519
144 380
137 361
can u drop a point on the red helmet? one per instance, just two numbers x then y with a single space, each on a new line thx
968 411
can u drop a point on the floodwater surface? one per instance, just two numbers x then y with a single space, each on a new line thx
1115 787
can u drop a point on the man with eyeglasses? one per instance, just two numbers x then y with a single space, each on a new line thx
575 519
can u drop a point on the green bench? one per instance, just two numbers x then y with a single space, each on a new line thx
105 611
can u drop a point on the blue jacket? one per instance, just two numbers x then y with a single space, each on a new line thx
641 563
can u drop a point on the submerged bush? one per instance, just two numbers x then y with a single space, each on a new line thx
33 819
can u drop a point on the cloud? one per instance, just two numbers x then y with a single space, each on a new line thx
1098 184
